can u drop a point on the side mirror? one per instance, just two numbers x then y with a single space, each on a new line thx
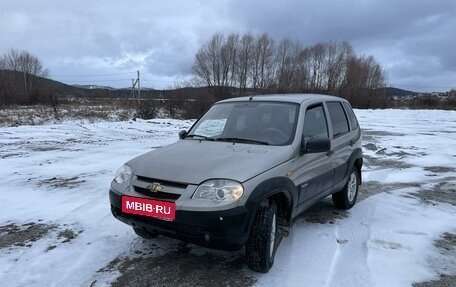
314 145
182 134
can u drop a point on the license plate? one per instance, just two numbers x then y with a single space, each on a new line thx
149 207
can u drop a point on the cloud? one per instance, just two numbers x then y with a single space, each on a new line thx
412 39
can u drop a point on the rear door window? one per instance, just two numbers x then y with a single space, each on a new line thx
338 118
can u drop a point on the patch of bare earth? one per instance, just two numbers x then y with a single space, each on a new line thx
447 264
180 268
64 236
444 191
323 212
13 235
59 182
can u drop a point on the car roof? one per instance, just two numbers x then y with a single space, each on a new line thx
292 98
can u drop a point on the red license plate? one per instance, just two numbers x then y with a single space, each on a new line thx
149 207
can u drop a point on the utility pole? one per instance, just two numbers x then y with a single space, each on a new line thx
139 87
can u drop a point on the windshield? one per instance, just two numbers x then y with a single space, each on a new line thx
269 123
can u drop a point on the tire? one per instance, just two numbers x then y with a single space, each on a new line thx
144 233
346 198
263 240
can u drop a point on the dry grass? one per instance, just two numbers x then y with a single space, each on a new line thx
80 109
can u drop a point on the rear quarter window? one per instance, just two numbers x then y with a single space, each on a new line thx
351 116
338 118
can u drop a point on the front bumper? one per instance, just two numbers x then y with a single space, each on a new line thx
226 229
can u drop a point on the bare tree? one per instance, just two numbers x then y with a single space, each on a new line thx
27 64
317 59
363 80
263 62
245 56
228 55
201 67
216 63
255 62
337 55
302 76
23 62
209 62
287 51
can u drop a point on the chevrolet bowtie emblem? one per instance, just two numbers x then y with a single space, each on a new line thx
154 187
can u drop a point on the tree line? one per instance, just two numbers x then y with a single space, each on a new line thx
259 64
227 66
20 74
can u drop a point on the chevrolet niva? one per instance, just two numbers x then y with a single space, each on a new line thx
243 172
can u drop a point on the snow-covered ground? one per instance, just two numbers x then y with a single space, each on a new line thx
56 228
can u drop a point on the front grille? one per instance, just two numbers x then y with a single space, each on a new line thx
173 184
157 195
176 227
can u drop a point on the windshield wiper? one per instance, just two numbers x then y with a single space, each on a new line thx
200 137
242 140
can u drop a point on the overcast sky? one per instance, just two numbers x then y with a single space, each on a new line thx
414 40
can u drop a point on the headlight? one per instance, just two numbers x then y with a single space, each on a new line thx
219 190
123 174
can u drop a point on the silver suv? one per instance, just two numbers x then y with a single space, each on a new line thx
243 172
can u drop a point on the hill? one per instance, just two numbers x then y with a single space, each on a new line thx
15 88
91 87
396 92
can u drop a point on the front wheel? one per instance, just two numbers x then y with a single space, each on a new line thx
346 198
261 246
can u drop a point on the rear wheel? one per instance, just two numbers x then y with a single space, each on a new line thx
144 233
346 198
261 246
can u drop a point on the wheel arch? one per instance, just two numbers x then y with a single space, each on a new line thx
356 160
280 190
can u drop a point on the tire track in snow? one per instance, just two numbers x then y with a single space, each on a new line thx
350 263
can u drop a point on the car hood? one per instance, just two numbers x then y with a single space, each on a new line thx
194 161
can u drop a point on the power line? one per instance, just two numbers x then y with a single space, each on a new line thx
88 80
95 75
97 81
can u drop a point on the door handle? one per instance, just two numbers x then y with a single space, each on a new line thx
352 142
329 153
